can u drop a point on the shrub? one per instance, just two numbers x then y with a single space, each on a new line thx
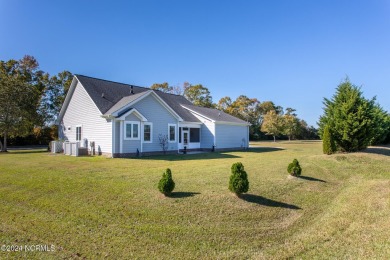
166 184
328 145
238 182
294 168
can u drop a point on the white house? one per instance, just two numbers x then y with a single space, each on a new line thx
123 120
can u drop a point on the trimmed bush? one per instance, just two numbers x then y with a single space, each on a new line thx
328 145
294 168
166 184
238 182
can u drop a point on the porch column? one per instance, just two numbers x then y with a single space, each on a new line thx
121 137
178 137
142 136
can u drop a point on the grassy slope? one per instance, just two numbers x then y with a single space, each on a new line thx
95 207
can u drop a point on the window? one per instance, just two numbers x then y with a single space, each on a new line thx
78 133
148 132
194 135
131 130
172 133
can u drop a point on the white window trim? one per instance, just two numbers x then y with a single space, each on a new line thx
151 132
81 132
169 133
131 123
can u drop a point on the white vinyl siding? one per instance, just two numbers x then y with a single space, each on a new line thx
82 111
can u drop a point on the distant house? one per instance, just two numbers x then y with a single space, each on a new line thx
123 120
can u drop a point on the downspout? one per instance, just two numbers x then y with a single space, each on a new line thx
215 134
247 135
113 138
177 139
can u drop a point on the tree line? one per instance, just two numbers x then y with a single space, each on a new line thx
30 100
266 118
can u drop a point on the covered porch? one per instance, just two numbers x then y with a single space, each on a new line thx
189 136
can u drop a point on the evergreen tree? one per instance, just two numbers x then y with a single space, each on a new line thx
328 145
294 168
238 182
166 183
350 118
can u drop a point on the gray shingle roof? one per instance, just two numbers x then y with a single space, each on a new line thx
214 114
124 101
110 96
175 102
113 91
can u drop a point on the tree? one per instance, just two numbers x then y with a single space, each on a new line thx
328 145
20 90
199 95
306 132
272 124
291 123
245 108
350 118
238 182
224 104
294 169
164 87
163 141
382 124
268 106
56 88
166 184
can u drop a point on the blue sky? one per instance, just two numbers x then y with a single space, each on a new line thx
291 52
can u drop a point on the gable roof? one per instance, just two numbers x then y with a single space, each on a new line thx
110 97
214 114
124 101
105 94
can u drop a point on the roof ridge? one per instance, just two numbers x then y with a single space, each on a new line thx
111 81
128 85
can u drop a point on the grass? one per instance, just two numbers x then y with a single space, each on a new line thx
94 207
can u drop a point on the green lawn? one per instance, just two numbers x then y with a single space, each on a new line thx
94 207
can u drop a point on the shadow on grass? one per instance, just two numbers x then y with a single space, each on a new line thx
186 157
267 202
209 155
264 149
183 194
310 178
25 151
382 150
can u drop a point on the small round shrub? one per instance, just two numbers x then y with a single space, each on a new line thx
166 184
294 168
238 182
